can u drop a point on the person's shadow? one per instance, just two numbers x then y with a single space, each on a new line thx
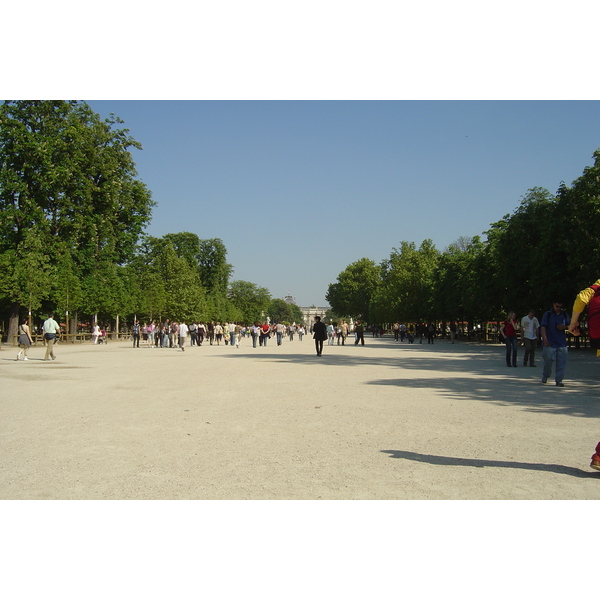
447 461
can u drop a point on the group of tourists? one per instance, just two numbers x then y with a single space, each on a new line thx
552 334
173 334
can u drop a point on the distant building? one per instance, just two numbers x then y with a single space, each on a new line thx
310 312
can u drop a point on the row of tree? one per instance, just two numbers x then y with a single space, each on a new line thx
72 216
548 248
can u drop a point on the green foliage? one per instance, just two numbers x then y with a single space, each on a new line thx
352 292
406 291
214 269
67 180
72 214
549 247
460 282
250 300
284 312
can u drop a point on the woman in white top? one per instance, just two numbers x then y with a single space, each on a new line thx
95 333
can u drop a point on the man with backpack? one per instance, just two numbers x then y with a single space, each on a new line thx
589 297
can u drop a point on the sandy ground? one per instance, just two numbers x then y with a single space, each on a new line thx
385 421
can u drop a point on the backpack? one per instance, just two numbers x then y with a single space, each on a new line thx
594 313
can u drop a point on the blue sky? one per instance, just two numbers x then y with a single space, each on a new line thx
297 190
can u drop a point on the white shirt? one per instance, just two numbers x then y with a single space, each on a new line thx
530 327
183 330
50 326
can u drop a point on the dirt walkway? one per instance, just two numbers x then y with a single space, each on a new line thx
384 421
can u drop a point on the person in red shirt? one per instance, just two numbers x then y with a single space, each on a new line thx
509 332
265 334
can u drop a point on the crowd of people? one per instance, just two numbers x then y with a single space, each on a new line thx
173 334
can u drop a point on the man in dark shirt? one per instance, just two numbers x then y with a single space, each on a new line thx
554 324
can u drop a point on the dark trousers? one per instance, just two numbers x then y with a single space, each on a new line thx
511 350
530 346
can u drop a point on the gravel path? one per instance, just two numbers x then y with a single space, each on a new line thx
384 421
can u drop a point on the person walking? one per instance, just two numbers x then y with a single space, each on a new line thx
265 334
218 332
183 333
430 333
590 298
237 335
531 333
229 328
330 333
319 335
508 331
555 323
255 333
25 340
150 332
279 329
359 331
452 331
135 331
51 330
201 333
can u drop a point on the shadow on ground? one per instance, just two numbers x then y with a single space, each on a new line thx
467 372
451 461
581 399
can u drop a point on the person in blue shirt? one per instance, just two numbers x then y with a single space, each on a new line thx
554 324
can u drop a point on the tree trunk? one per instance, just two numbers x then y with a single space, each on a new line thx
13 322
73 324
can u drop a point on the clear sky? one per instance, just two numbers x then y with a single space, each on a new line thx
297 190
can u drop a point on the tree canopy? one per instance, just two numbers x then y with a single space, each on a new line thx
73 214
67 180
548 247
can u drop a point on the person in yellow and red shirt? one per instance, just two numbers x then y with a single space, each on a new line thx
590 298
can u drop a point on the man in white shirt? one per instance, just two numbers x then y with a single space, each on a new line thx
279 331
51 329
231 329
531 327
183 332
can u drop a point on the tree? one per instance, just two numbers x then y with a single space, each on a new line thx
458 282
185 296
214 269
68 179
407 291
351 293
250 300
284 312
575 230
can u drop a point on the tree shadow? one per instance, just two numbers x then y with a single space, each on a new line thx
465 372
578 399
451 461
